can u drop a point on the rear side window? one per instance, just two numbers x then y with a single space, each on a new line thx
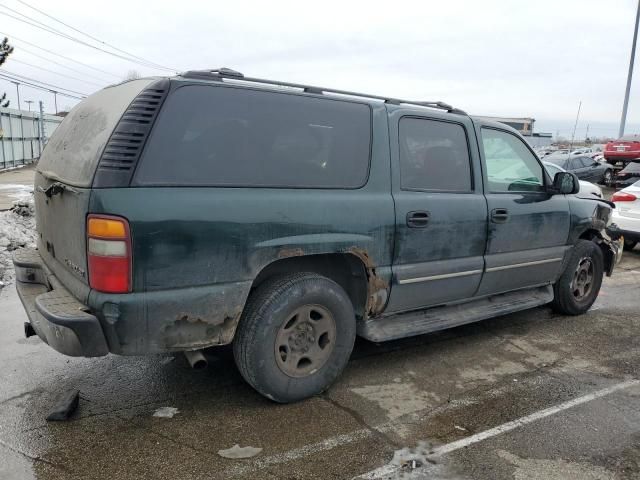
222 136
434 156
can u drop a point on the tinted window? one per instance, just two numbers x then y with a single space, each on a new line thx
511 167
558 160
208 135
434 156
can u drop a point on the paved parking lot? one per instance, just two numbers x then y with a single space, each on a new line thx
530 395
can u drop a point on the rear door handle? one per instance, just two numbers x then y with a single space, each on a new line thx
418 219
499 215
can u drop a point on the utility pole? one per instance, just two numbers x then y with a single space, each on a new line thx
623 120
41 133
55 100
18 92
586 137
29 102
573 135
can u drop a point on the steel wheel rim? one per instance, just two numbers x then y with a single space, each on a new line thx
583 278
305 341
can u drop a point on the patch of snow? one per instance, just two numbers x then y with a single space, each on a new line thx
237 451
17 230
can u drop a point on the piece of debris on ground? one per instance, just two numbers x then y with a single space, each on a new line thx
64 406
237 452
166 412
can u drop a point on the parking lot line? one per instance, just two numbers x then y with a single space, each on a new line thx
389 469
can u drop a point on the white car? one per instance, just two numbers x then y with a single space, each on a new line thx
586 188
627 214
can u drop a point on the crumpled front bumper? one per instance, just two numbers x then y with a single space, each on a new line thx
615 242
56 316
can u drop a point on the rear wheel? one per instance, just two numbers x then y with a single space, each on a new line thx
579 285
295 336
630 244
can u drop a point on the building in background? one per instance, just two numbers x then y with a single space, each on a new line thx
524 125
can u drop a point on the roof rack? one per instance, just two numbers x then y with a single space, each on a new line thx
227 73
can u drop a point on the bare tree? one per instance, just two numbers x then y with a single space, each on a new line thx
5 51
133 75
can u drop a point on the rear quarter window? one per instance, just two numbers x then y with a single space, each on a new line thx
225 136
72 153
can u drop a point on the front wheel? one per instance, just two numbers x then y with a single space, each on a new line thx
608 178
579 285
295 336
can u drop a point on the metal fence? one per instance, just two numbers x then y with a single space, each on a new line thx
20 136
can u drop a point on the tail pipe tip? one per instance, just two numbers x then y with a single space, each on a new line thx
196 359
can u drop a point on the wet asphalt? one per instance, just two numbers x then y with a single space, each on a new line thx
411 395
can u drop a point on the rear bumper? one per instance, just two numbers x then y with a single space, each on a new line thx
624 182
58 318
628 227
626 155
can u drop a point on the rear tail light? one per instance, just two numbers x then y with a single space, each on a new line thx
623 197
109 253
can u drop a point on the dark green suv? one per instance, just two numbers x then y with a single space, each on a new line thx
176 214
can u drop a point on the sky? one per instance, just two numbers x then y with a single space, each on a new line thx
493 57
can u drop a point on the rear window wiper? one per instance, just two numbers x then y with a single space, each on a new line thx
55 188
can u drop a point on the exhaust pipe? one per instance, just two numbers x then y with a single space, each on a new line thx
196 359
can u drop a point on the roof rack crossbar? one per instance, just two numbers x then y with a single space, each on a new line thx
227 73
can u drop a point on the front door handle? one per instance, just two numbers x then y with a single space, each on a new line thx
499 215
418 219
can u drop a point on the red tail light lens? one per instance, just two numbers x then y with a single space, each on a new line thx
623 197
109 253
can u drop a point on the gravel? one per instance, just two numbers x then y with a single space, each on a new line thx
17 230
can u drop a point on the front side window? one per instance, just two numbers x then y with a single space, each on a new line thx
510 165
210 135
434 156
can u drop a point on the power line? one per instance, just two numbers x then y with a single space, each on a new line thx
92 37
56 73
50 85
13 37
22 49
77 40
31 85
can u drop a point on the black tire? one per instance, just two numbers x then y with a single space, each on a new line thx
263 320
607 179
630 244
566 297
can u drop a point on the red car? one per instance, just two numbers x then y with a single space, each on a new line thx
623 150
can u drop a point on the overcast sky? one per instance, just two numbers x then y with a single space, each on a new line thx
491 57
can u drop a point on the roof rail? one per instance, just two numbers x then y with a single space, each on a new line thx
221 74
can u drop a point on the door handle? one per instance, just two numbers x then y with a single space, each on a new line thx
499 215
418 219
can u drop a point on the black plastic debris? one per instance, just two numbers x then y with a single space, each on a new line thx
64 406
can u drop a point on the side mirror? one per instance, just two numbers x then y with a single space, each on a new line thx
566 183
595 163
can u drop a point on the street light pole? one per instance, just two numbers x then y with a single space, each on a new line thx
18 92
29 102
623 120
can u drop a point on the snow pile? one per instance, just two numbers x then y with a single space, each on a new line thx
17 230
